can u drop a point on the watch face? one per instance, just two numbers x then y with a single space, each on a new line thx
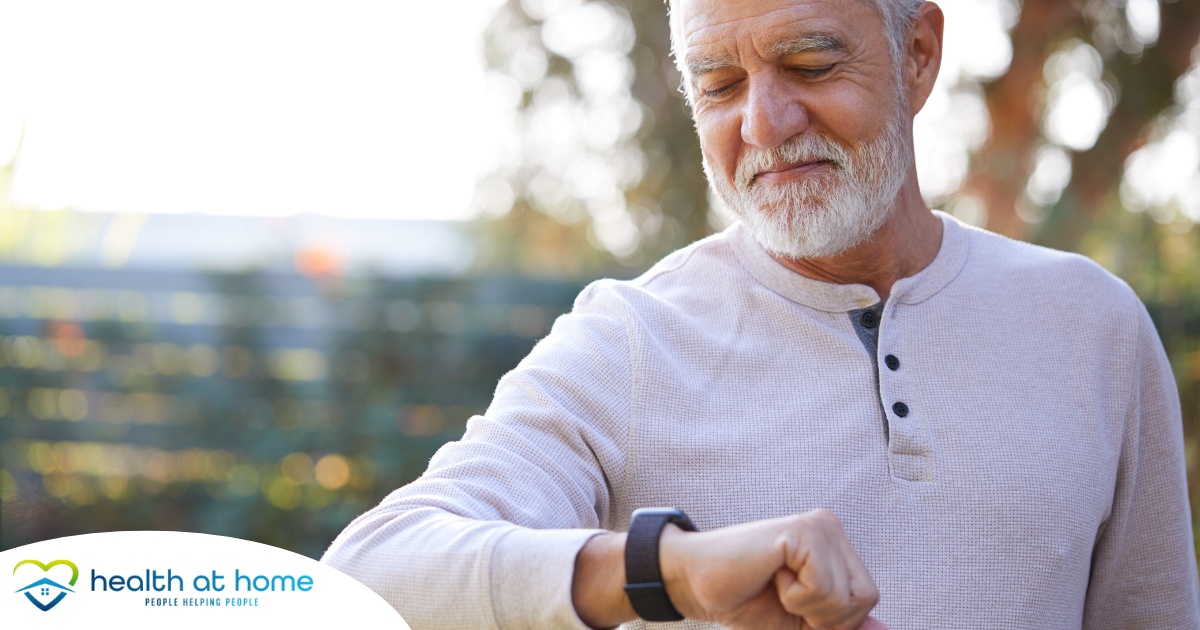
656 511
671 515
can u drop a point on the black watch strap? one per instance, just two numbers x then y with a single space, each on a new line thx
643 575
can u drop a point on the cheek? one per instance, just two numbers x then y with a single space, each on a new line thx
720 139
851 115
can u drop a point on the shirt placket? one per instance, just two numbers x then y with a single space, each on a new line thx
910 449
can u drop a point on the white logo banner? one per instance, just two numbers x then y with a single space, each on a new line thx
179 580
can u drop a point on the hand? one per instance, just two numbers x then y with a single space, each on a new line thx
795 572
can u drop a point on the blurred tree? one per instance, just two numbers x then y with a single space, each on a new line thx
1134 61
606 168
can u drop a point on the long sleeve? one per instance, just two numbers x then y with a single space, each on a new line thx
487 537
1144 565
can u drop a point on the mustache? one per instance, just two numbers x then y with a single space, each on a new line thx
797 149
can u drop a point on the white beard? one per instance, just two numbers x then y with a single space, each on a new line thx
825 214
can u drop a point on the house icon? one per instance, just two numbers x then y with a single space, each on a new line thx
46 590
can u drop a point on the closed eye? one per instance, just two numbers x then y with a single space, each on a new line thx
813 73
718 91
724 90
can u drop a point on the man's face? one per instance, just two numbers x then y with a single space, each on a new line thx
803 126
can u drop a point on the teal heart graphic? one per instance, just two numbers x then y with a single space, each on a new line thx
48 582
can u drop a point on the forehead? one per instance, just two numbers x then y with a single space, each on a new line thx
702 24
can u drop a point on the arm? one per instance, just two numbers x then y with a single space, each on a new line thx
1144 563
762 575
488 536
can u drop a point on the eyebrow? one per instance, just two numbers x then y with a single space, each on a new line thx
815 42
703 65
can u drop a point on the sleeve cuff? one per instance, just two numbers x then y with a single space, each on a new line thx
531 575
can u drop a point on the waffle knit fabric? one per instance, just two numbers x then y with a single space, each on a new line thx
1037 479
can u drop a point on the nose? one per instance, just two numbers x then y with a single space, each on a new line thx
773 113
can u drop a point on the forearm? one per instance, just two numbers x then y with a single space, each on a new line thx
442 570
415 558
597 589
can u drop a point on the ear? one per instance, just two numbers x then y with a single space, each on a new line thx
922 56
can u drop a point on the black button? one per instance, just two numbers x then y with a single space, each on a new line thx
892 362
901 409
869 319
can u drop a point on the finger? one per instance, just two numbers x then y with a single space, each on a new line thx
859 621
804 578
864 594
870 623
795 596
837 601
820 589
853 595
836 606
785 581
811 581
852 621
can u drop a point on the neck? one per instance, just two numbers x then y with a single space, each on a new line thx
906 243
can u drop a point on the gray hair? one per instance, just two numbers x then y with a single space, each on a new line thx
898 17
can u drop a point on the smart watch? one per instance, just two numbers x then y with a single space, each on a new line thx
643 575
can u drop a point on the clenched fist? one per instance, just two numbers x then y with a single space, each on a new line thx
790 572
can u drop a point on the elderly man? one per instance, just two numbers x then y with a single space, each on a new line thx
871 413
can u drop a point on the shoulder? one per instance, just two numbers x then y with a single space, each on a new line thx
705 271
609 315
1035 275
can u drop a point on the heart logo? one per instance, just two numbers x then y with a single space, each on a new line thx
45 587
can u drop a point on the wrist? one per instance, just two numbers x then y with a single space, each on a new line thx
673 552
597 587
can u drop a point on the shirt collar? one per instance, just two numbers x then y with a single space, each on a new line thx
840 298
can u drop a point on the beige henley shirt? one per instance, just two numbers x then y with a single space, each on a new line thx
1035 478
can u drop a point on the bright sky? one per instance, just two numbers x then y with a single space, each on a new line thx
355 108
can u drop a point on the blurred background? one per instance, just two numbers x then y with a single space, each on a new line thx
259 260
